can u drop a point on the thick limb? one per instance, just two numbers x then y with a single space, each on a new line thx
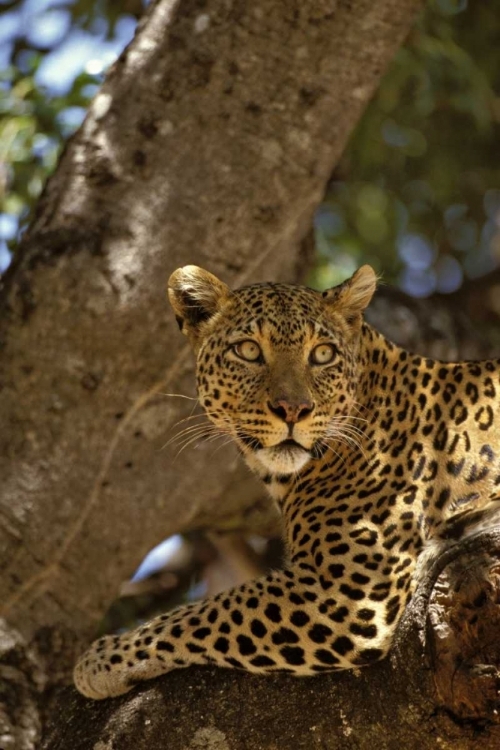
283 622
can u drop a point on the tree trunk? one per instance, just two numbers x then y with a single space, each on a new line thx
210 142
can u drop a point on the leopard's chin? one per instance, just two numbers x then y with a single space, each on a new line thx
287 457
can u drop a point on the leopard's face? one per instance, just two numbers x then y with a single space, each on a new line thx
276 366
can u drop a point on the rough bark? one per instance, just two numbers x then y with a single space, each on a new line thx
210 142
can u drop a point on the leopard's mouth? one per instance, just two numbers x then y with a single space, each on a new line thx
288 444
285 457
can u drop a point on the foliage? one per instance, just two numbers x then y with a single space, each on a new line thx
41 102
33 126
417 193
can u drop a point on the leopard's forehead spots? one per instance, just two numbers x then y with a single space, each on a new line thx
283 313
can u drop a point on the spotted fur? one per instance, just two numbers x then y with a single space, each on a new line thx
368 450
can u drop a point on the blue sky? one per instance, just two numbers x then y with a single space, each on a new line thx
47 24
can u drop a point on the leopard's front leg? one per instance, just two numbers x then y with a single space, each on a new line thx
283 622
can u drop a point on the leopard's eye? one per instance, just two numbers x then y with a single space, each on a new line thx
323 354
248 350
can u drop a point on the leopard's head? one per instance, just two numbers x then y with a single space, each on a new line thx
276 363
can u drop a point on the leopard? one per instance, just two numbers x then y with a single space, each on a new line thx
371 454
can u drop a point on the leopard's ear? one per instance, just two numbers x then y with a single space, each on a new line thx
195 295
353 296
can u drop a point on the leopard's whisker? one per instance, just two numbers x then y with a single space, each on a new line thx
223 445
193 440
178 395
332 450
197 429
200 415
342 434
200 432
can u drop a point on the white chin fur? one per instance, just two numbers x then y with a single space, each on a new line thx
283 460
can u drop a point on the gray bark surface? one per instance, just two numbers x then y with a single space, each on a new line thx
210 142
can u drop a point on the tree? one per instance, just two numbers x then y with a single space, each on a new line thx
211 141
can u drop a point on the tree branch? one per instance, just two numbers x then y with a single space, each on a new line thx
394 704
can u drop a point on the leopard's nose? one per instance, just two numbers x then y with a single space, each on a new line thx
290 411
